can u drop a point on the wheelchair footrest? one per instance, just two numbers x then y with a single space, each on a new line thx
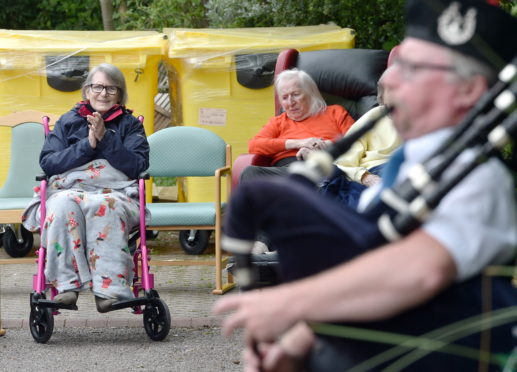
54 305
139 301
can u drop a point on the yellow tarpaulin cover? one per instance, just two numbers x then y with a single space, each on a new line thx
187 43
203 79
29 58
23 49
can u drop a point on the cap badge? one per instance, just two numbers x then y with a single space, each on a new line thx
455 29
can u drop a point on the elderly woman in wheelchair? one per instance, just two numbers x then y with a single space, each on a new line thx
93 157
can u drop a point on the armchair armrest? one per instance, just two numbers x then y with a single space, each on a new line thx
245 160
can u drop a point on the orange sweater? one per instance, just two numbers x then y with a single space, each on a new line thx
270 140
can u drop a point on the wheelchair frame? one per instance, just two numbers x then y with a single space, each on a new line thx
156 315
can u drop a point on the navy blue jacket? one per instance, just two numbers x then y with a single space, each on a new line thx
124 144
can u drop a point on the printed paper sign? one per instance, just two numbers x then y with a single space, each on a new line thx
212 116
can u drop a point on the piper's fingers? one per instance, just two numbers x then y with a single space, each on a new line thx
229 303
232 322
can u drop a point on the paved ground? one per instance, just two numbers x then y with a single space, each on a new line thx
194 343
121 349
185 289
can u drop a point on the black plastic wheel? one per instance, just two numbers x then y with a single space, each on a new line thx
15 248
41 323
198 244
151 234
157 320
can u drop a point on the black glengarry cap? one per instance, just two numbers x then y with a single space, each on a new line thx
472 27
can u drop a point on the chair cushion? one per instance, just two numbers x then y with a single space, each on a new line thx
184 152
182 214
14 203
26 143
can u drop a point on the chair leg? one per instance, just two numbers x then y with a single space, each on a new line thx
219 287
2 331
218 265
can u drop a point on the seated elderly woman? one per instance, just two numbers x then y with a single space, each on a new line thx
93 156
362 165
307 124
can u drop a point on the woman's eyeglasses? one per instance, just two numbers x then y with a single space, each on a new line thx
98 88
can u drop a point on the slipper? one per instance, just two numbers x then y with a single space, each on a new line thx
67 298
104 304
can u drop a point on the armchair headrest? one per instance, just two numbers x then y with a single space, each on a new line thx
348 73
345 76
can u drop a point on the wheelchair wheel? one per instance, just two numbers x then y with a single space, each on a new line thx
157 320
151 234
15 247
194 243
41 322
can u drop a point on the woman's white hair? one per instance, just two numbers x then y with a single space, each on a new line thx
114 75
306 84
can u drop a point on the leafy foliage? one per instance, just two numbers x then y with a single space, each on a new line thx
50 15
378 24
159 14
510 6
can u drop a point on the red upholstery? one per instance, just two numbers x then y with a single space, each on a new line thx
286 60
245 160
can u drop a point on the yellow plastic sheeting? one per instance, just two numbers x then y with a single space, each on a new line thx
16 45
24 67
208 43
205 90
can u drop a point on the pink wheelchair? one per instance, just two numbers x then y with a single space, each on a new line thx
156 315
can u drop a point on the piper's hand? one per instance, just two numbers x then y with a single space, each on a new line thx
263 314
285 355
96 125
271 357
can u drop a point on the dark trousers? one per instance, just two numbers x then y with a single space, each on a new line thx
280 168
313 233
342 189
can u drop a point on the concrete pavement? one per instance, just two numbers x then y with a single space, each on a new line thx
86 340
185 289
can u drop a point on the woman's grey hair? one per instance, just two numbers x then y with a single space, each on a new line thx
467 67
114 75
307 85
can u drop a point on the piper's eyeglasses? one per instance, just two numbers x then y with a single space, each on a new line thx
98 88
408 69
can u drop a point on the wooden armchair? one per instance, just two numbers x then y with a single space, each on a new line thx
21 138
